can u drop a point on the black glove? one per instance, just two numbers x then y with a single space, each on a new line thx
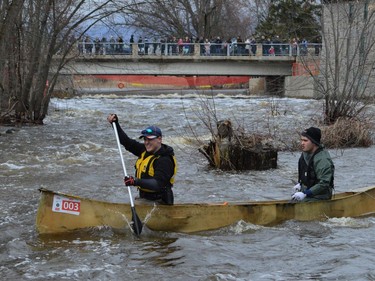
129 181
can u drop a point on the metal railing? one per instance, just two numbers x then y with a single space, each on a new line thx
197 49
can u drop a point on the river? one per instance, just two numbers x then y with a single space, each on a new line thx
75 152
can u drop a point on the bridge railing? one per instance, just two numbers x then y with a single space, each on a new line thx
197 49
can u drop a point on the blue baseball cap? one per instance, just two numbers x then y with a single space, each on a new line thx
151 132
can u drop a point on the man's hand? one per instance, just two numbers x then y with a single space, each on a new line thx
298 196
129 181
112 118
297 187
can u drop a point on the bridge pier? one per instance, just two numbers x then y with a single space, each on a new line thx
270 85
275 85
257 86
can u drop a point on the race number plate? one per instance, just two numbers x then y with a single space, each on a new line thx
66 205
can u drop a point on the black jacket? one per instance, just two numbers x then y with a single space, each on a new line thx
157 186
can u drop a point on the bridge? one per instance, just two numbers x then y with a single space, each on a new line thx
106 59
126 60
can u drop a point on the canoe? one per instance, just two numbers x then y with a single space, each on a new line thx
59 212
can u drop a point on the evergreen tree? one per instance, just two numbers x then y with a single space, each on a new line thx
291 19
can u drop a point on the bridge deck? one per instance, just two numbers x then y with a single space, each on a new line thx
181 65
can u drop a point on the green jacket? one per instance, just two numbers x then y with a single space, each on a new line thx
317 175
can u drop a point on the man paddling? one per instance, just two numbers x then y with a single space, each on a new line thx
315 169
156 165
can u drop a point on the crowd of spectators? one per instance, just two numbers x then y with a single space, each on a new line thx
103 46
216 46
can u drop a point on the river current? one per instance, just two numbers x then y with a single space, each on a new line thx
75 152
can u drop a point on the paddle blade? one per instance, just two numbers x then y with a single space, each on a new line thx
137 224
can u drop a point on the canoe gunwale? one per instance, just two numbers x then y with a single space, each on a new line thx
338 196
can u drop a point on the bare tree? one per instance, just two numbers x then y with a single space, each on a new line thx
347 60
206 18
10 18
32 32
260 10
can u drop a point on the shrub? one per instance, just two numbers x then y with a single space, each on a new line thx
346 133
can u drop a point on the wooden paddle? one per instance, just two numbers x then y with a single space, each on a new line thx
136 222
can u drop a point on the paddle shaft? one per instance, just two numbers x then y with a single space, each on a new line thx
122 162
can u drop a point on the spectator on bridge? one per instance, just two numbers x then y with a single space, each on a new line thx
267 45
103 43
186 45
172 46
247 46
146 46
207 47
141 47
303 50
233 46
180 44
201 45
120 45
253 45
193 41
112 45
277 45
218 45
97 45
294 46
163 42
271 51
88 46
154 45
240 46
264 46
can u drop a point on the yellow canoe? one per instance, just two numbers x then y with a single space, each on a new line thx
58 212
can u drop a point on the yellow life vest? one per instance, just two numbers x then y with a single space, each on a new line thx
145 168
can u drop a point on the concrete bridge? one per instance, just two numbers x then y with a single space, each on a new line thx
181 65
193 63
